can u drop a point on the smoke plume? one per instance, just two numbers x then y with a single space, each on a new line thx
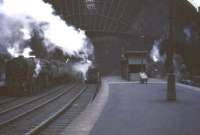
155 67
19 20
159 60
82 67
155 53
38 68
195 3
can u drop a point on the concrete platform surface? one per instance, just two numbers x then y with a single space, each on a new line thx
140 109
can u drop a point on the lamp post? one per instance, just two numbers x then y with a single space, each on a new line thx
171 88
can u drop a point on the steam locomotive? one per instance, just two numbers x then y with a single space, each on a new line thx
93 75
30 75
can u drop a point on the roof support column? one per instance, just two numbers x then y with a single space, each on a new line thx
171 84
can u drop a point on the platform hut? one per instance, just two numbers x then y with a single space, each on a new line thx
133 65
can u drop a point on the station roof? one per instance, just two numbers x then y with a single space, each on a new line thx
117 16
108 16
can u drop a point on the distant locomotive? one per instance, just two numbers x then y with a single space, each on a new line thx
93 75
29 75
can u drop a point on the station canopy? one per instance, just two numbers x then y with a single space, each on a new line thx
99 16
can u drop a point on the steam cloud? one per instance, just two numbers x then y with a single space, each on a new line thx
38 67
19 19
82 68
155 53
156 68
195 3
178 62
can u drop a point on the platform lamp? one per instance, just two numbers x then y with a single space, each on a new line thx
171 83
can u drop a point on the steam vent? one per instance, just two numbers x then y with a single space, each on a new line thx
99 67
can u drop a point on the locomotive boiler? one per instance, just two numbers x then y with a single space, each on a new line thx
29 75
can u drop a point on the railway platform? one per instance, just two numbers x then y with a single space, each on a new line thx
130 108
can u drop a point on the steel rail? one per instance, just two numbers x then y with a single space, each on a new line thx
35 108
46 122
7 100
31 100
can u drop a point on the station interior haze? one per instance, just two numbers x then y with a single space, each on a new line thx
117 26
99 67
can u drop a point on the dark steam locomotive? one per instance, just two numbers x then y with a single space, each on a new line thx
93 75
29 75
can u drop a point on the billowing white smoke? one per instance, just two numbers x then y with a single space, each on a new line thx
82 67
20 18
31 14
15 52
155 53
179 66
38 68
195 3
156 68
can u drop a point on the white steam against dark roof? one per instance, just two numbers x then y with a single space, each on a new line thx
20 18
155 52
195 3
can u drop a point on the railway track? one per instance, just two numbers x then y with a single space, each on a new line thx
63 117
15 102
7 100
19 110
33 119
